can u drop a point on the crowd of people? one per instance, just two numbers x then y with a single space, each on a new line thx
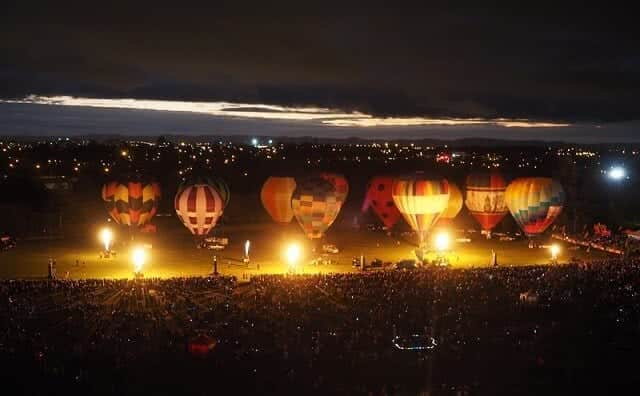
438 330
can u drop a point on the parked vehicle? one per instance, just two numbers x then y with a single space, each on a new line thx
328 248
406 265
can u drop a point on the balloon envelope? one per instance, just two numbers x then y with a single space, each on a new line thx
316 204
420 201
217 183
132 202
339 182
534 203
276 196
485 198
454 204
379 197
198 207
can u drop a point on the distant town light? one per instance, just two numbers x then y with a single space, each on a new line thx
254 141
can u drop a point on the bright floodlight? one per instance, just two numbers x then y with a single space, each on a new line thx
555 250
617 173
138 257
106 236
293 254
254 141
442 241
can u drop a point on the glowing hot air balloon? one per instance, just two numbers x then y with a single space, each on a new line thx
131 202
316 204
420 201
276 196
454 205
485 198
339 182
217 183
534 203
379 197
199 207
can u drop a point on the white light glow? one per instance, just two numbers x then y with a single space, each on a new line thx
617 173
293 254
442 241
555 250
139 258
106 236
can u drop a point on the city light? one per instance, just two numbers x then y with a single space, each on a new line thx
138 258
442 241
106 236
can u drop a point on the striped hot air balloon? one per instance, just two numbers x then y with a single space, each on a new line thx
534 203
339 182
276 196
216 182
420 201
109 198
379 197
132 203
485 198
454 205
198 207
316 204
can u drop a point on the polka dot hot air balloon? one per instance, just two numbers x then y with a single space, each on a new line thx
316 204
534 203
131 202
379 198
454 205
276 196
199 206
421 201
485 198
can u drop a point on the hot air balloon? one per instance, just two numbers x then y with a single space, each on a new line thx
339 182
485 199
198 207
534 203
421 201
219 184
454 205
133 202
316 204
223 189
379 197
276 196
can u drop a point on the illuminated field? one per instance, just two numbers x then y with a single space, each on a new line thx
174 253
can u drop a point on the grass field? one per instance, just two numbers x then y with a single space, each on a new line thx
174 253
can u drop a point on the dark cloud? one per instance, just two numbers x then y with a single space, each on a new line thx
544 63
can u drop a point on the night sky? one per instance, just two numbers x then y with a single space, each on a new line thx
545 64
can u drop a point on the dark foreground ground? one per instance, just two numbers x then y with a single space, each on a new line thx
575 331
